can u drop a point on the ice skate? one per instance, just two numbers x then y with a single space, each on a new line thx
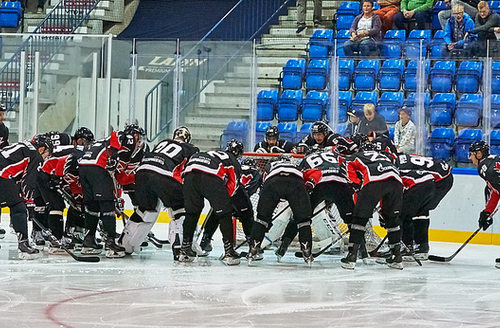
497 263
396 260
407 254
113 250
307 253
254 251
57 248
38 239
349 262
231 258
187 254
280 252
26 252
422 252
90 246
205 246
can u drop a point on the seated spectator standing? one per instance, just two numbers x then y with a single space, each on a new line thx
372 121
458 30
388 8
486 22
469 7
420 10
365 32
273 144
404 132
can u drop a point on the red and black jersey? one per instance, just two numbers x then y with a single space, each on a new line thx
168 158
437 167
489 171
251 179
283 146
125 172
118 145
20 162
383 143
4 136
282 167
411 178
329 165
60 139
365 167
219 163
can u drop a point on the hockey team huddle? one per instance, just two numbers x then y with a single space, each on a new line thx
360 175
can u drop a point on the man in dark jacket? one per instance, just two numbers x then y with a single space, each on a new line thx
486 21
372 122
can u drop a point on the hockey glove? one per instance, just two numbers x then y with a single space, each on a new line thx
310 184
485 221
31 210
111 164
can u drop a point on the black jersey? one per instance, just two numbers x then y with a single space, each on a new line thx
63 159
328 163
168 158
251 179
411 178
282 167
118 143
60 139
219 163
368 166
20 162
439 168
283 146
385 144
489 171
4 136
328 141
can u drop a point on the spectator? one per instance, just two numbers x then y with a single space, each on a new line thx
301 14
469 7
365 32
404 132
420 10
486 22
458 30
354 119
372 121
388 8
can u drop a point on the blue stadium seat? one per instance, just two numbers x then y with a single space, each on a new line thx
437 46
495 77
288 131
440 5
495 111
345 100
495 142
362 98
410 75
289 105
392 46
411 101
320 44
293 74
413 49
442 76
442 108
346 71
345 14
465 138
494 6
469 76
317 74
314 106
391 75
305 129
11 14
441 143
260 130
365 75
468 110
235 130
267 101
341 37
389 105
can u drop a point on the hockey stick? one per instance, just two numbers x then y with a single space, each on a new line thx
449 258
321 251
409 251
55 240
373 253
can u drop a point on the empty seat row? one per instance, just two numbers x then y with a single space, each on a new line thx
315 76
442 143
444 107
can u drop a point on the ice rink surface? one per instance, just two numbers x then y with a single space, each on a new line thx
150 290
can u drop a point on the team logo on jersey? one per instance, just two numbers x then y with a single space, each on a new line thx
497 167
381 168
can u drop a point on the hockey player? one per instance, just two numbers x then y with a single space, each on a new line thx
320 137
488 167
158 178
18 171
383 143
214 175
377 179
97 169
273 143
284 180
443 180
4 141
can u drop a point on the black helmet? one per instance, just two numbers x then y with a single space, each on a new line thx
360 139
235 147
367 146
84 133
132 129
183 133
319 126
272 132
481 146
3 108
42 140
249 162
345 146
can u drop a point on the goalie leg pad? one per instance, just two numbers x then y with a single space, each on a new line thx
134 233
322 226
277 229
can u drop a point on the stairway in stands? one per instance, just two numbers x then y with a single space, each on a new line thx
228 99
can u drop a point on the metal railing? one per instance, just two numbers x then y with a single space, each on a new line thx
65 18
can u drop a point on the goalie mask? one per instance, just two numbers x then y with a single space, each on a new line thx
183 133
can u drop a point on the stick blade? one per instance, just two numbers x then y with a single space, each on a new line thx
437 258
90 259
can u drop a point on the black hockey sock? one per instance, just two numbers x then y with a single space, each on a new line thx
246 223
259 229
42 218
91 223
211 226
109 225
19 220
421 231
189 225
291 230
305 235
394 235
136 217
226 227
407 231
56 225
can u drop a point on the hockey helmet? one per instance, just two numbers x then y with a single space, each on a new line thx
43 140
249 162
367 146
320 127
360 139
234 146
345 146
183 133
481 146
84 133
272 132
132 129
3 108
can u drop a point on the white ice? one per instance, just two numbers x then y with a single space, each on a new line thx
150 290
